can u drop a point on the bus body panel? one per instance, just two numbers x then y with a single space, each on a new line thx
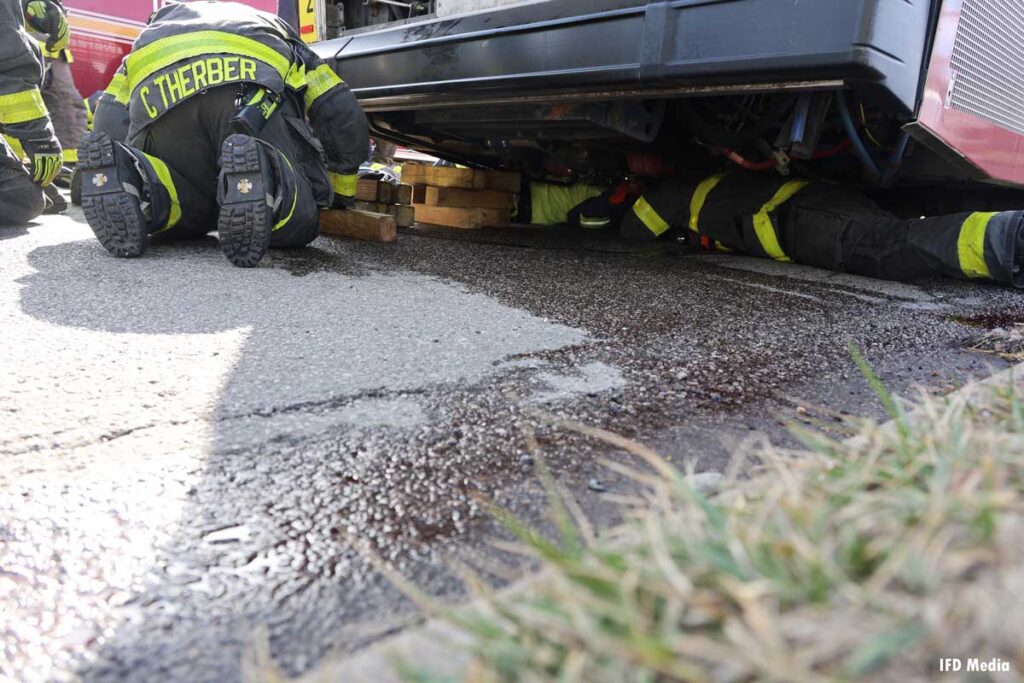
970 104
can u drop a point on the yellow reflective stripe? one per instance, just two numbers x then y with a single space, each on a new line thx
649 217
318 83
15 145
700 197
19 107
58 53
593 223
146 61
970 246
164 174
295 198
296 78
118 88
345 185
763 225
70 156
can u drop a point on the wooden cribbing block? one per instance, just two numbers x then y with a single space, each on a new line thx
401 194
461 218
359 225
405 216
456 198
366 190
370 207
439 176
373 191
499 181
465 178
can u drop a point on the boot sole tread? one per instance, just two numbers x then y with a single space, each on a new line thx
115 218
243 227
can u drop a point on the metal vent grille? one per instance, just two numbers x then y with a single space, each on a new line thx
988 62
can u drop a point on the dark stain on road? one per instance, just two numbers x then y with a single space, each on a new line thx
992 321
696 351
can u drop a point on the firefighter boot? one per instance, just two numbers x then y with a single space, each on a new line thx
56 201
246 197
112 195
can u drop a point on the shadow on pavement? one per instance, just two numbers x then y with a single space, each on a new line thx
10 232
320 399
343 387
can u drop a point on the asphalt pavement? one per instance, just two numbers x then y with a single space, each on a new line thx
198 458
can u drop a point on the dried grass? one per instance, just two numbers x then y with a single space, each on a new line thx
868 558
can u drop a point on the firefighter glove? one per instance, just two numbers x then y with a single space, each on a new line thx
45 158
47 18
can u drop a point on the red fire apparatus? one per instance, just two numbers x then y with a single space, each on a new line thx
922 96
102 32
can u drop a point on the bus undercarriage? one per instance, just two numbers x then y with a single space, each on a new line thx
914 95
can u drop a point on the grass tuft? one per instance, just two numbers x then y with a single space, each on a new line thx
866 558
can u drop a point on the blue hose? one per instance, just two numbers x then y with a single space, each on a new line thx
896 159
858 145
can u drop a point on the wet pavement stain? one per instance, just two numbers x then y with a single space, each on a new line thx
991 321
288 476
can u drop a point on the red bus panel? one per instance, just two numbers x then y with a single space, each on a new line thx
102 32
973 100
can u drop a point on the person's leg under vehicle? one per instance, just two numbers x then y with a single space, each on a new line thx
839 229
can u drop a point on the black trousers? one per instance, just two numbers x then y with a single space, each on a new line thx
183 150
830 226
834 227
21 200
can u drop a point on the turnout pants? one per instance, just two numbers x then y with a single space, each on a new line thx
66 107
181 153
21 200
839 229
830 226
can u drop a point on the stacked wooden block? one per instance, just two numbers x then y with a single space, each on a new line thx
381 197
461 197
380 209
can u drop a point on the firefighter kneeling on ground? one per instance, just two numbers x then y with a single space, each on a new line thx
221 116
23 115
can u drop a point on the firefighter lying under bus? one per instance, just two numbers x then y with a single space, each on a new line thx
815 223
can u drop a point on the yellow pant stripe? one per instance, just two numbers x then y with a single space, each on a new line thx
146 61
970 245
763 226
649 217
295 196
700 197
23 106
164 174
